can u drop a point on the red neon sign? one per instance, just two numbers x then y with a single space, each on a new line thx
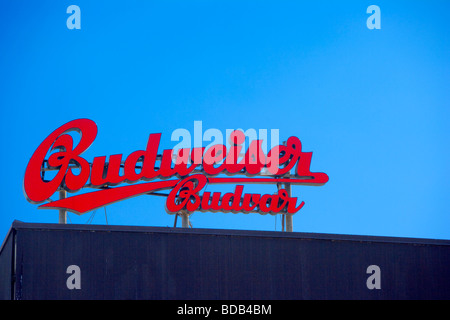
186 174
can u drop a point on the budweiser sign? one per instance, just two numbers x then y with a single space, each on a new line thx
185 172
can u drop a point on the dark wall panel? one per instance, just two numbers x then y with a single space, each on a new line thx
166 263
6 265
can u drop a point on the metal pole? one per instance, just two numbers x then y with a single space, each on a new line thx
185 220
280 186
289 227
62 212
175 222
288 218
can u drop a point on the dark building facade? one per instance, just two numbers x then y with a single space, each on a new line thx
52 261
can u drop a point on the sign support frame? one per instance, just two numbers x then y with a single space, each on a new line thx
62 212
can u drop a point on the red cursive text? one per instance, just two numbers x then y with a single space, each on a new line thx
192 170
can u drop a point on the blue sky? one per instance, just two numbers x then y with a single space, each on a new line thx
372 105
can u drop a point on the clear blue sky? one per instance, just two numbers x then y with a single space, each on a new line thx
372 105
